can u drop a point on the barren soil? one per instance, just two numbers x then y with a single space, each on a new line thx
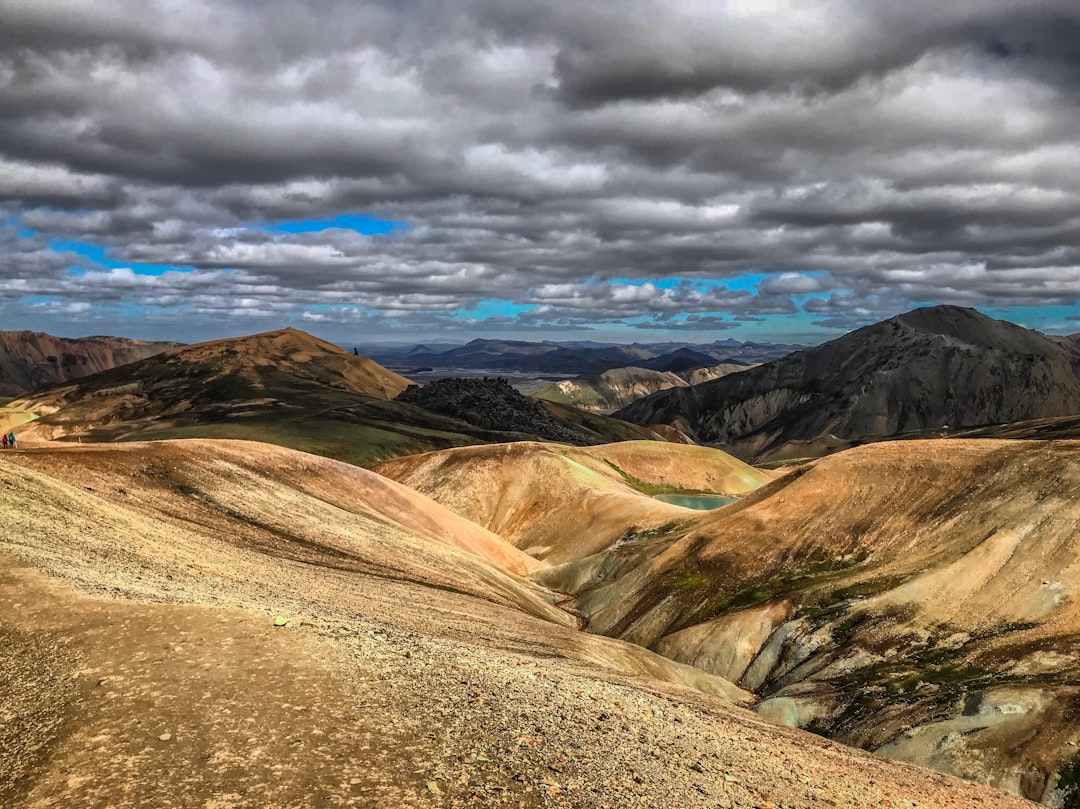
139 591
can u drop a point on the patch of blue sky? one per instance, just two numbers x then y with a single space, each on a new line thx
97 255
493 307
361 223
1051 319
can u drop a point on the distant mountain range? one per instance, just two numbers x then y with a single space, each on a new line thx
575 359
938 368
31 360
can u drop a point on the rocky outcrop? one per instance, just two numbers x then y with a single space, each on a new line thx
619 387
492 404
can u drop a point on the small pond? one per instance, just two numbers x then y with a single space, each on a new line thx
701 502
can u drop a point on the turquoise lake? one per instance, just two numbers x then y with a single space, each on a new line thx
701 502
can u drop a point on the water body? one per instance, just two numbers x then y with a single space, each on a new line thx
701 502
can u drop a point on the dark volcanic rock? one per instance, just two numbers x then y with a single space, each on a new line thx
926 369
492 404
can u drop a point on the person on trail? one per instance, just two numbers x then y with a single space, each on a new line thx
11 439
5 440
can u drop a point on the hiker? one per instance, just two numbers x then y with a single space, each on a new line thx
10 440
5 440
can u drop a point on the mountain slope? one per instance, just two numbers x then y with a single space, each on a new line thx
32 360
917 598
560 503
615 389
935 367
285 387
406 673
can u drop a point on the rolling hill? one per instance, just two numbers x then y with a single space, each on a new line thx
562 503
915 598
32 360
227 623
285 387
928 369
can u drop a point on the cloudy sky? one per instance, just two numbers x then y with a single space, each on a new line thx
404 170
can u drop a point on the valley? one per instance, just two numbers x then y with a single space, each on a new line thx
513 585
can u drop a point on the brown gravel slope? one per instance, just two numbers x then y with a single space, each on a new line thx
138 591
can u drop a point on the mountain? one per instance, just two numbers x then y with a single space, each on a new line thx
917 599
683 359
257 627
580 357
285 387
614 389
928 369
492 404
31 360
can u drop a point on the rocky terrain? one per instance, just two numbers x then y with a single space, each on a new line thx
285 387
934 368
617 388
915 598
31 360
492 404
227 624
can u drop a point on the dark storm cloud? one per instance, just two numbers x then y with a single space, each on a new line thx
868 155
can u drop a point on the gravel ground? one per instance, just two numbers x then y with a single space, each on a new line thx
142 667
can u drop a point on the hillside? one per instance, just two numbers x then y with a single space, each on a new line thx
285 387
32 360
615 389
927 369
915 598
379 662
560 503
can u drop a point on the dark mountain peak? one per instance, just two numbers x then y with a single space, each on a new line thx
971 327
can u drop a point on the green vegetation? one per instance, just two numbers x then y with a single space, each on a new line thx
654 488
1069 785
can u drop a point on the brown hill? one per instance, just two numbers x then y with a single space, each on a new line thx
31 360
917 598
285 387
139 589
560 503
928 369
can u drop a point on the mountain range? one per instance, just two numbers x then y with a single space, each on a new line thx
938 368
289 388
575 359
508 608
32 360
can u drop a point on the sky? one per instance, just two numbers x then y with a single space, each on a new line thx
405 171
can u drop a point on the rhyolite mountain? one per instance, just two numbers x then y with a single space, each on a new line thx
914 598
614 389
285 387
32 360
942 367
